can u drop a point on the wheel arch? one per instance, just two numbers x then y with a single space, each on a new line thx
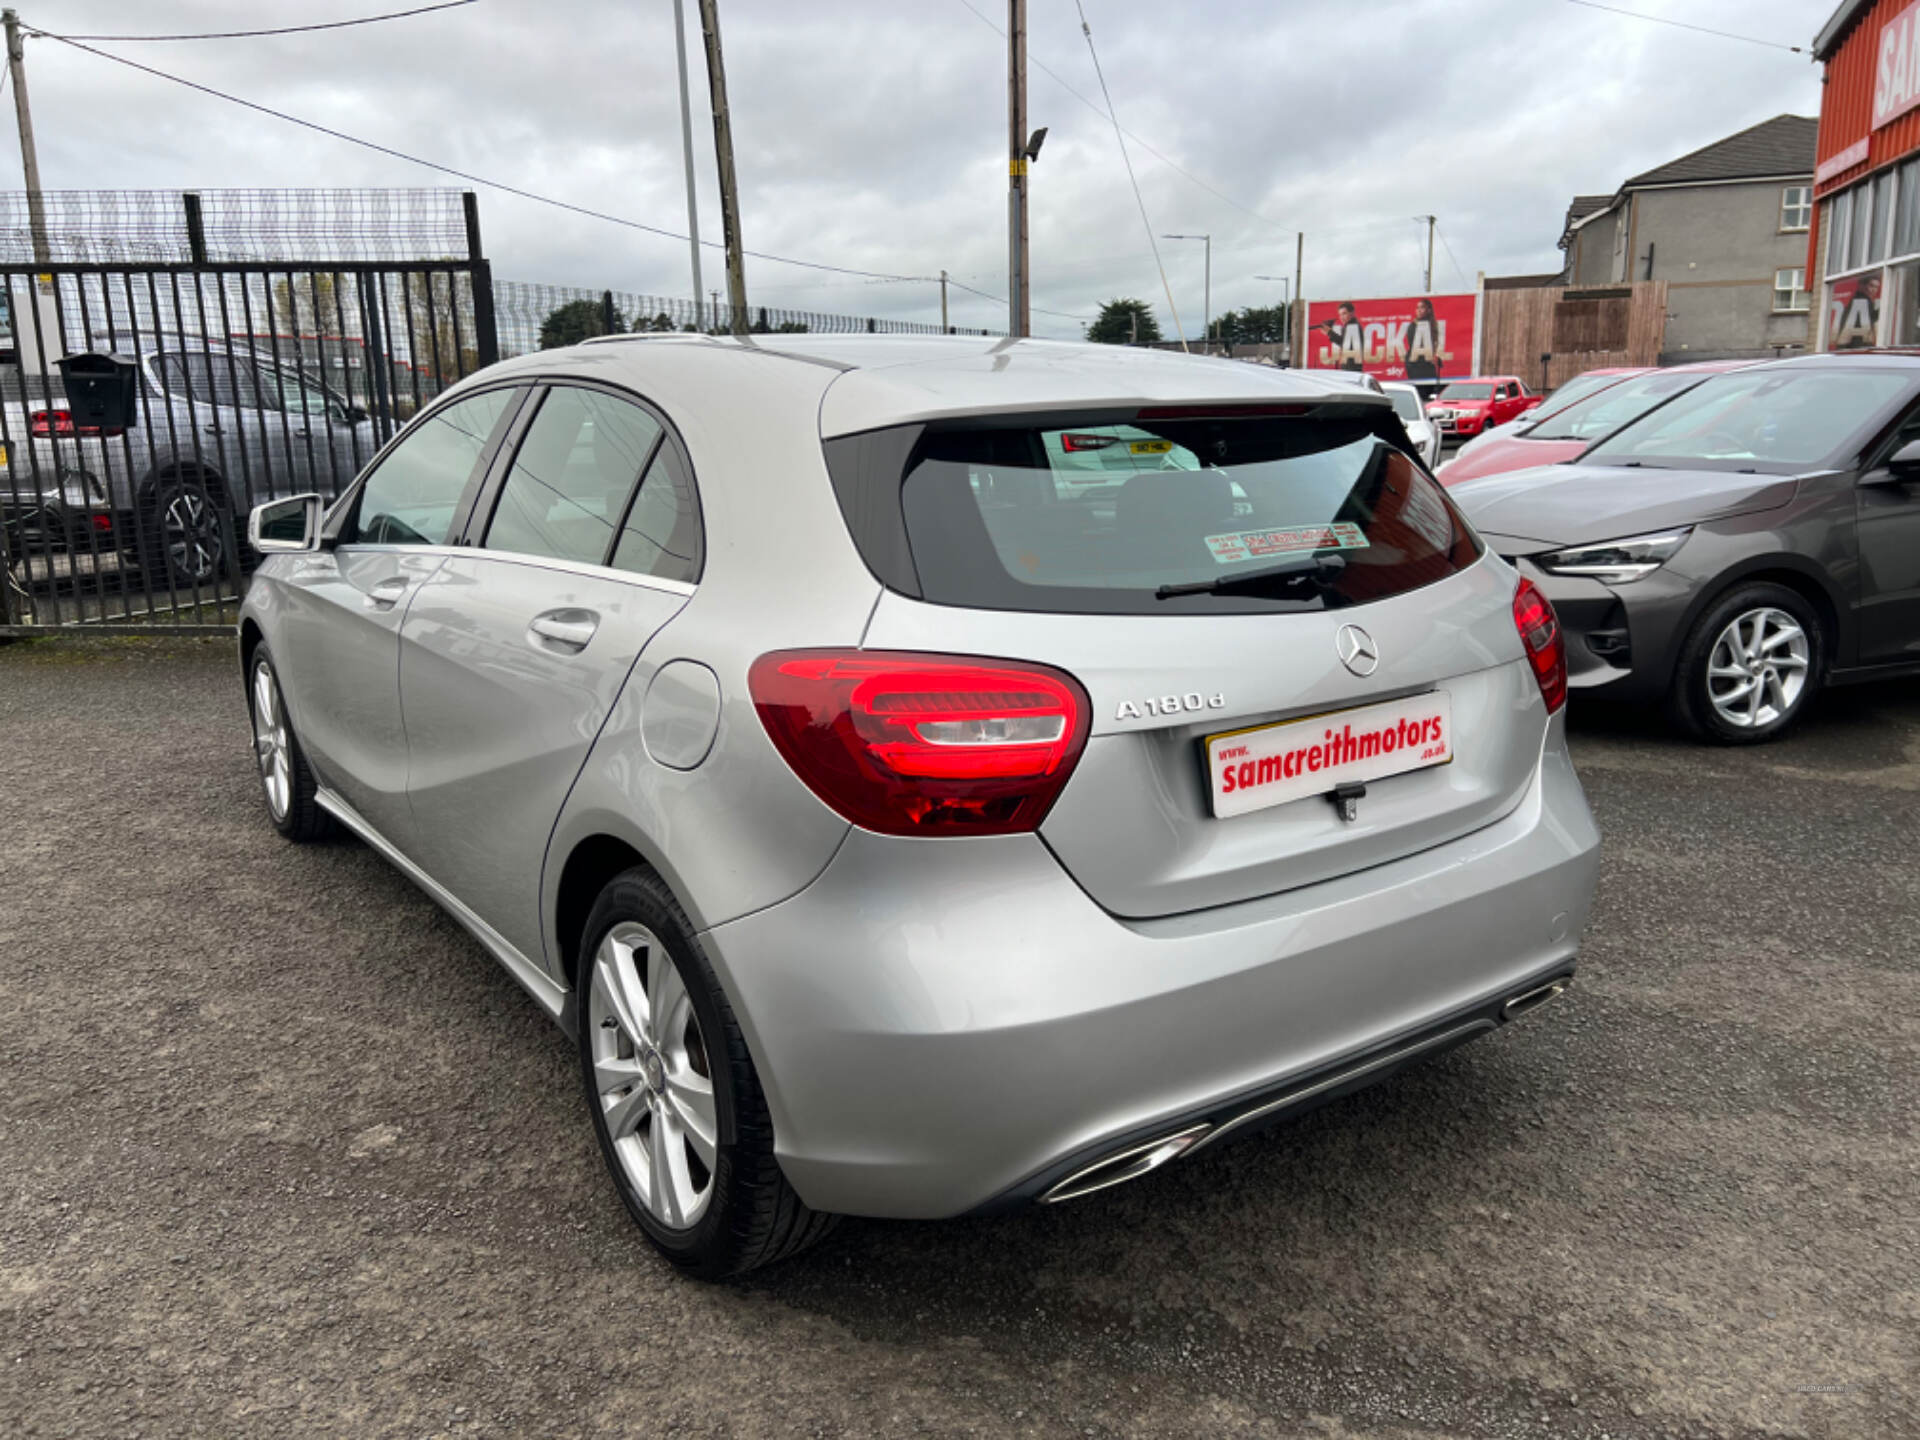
1794 572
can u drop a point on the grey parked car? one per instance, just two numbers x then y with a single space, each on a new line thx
1735 549
217 430
902 824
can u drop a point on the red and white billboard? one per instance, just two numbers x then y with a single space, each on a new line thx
1420 337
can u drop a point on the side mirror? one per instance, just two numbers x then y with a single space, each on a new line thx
1905 462
291 524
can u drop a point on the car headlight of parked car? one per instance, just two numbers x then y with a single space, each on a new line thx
1616 562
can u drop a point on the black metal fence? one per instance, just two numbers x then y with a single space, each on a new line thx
539 317
250 382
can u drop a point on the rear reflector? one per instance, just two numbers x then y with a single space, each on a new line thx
1539 631
910 744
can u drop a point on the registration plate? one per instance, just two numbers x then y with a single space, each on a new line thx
1276 764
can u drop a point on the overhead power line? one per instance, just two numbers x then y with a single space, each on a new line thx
1458 269
1101 75
478 179
1161 155
283 30
1684 25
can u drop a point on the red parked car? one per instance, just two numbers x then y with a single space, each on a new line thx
1466 407
1564 432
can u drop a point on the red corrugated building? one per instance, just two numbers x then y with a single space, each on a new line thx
1865 242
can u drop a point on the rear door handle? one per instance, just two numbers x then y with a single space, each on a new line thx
566 630
386 594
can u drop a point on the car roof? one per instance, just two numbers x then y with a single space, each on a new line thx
869 382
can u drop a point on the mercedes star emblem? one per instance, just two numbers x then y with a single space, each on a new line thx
1356 650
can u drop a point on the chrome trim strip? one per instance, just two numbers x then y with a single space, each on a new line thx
1294 1097
538 562
534 980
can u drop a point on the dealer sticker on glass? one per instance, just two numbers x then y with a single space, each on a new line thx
1243 545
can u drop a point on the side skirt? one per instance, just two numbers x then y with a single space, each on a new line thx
534 980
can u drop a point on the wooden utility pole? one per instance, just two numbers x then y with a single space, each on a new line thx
723 149
686 148
1020 309
943 302
29 159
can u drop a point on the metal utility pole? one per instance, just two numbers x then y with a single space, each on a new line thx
1431 220
1299 295
723 148
29 159
1020 316
943 302
686 148
1206 311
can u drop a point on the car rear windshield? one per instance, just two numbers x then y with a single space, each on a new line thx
1156 517
1757 417
1467 392
1606 412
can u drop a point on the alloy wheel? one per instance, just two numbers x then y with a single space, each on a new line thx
271 744
651 1075
192 533
1757 670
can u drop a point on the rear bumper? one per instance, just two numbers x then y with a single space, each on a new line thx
943 1026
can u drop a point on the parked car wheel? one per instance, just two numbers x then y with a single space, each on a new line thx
1750 665
184 539
285 779
681 1117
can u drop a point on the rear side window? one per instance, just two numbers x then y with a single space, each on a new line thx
661 534
411 497
1218 514
573 476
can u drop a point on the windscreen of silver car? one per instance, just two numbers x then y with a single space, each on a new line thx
994 523
1617 562
1760 419
1606 412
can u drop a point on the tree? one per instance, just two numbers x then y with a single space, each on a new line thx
1122 322
308 308
1255 325
662 321
575 321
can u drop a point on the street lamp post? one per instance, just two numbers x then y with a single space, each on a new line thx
1206 315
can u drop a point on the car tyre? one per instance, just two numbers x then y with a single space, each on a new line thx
286 780
183 536
1750 666
675 1100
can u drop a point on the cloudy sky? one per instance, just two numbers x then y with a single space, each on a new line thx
871 134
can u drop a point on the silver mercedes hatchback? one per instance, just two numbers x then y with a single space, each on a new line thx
930 776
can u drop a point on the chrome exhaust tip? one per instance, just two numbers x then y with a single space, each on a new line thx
1533 999
1125 1165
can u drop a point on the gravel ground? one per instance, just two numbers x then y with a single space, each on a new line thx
285 1153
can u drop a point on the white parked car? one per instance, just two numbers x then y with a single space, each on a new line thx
1424 434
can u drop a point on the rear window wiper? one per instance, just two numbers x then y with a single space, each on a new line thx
1320 574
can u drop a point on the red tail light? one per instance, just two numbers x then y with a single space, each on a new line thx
907 744
1546 647
1072 440
46 423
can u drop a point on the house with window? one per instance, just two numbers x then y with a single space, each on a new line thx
1726 227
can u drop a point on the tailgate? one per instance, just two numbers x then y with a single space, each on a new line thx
1136 825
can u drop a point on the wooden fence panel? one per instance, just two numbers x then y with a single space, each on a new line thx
1576 329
